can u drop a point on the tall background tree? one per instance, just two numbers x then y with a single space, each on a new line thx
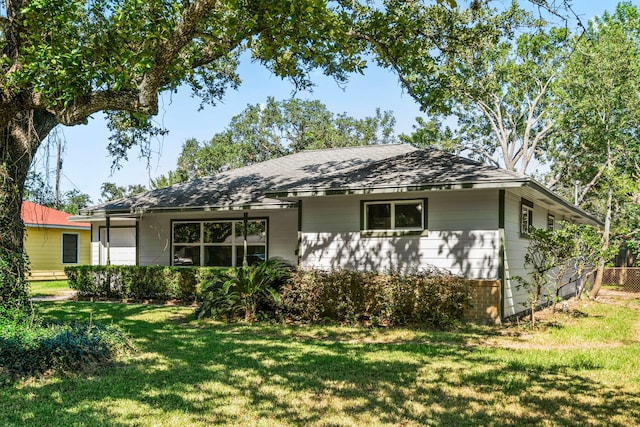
277 128
110 191
598 143
487 71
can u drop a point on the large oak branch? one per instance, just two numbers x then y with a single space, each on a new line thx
169 51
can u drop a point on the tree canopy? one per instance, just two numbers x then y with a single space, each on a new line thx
489 70
277 128
598 143
38 190
110 191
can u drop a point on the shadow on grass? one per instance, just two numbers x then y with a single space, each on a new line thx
231 374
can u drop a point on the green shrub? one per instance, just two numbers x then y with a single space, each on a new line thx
137 282
28 349
433 297
246 290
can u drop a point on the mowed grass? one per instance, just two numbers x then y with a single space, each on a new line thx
190 373
48 288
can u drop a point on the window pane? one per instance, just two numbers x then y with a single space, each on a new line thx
218 256
186 233
527 220
217 232
379 216
254 254
408 215
69 248
256 231
186 255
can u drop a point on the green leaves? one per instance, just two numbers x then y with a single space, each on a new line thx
276 128
240 290
70 48
598 106
468 65
33 349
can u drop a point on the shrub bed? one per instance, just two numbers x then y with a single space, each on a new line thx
435 298
138 282
29 347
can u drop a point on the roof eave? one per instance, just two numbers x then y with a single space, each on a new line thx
314 192
502 184
541 188
59 226
139 212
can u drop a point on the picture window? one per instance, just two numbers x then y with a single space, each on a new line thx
218 243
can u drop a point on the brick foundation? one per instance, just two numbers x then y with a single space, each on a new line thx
485 302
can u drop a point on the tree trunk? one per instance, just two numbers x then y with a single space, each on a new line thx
20 140
597 282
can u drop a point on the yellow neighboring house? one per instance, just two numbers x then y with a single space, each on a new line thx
52 242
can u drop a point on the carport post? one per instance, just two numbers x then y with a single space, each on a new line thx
244 235
108 242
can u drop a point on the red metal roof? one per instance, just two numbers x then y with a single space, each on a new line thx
37 215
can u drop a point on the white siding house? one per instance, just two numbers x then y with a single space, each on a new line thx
373 208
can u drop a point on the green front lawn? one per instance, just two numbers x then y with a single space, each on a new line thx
49 288
203 373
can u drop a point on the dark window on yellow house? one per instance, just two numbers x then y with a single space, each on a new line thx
70 247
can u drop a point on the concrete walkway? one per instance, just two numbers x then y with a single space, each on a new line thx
64 296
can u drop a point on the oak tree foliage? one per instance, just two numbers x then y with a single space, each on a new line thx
482 75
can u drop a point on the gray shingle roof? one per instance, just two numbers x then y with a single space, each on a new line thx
346 170
279 182
248 186
426 168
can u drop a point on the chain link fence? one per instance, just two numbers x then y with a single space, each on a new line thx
622 278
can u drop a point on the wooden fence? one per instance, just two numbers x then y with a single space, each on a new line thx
624 278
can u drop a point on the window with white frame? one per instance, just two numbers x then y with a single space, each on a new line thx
526 218
70 248
551 222
219 243
395 215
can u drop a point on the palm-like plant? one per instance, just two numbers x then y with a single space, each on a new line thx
240 289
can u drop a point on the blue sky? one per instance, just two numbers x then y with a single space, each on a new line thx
86 163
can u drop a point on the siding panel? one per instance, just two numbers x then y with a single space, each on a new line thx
515 296
462 235
43 246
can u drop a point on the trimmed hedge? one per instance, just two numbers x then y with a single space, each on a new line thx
138 282
434 298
